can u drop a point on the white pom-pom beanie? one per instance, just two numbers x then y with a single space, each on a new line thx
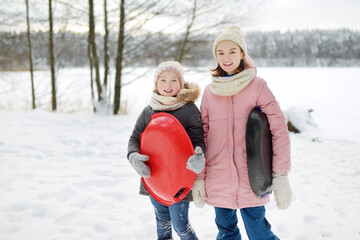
174 66
233 33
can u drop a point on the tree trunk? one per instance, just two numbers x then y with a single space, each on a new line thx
106 53
30 54
91 72
93 49
52 59
119 59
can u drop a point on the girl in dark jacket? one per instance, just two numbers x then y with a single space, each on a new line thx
176 97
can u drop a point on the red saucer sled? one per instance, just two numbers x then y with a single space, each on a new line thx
168 146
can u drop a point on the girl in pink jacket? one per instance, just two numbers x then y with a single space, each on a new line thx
227 101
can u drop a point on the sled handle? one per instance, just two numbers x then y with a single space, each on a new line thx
181 194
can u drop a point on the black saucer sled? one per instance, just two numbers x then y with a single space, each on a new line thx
259 152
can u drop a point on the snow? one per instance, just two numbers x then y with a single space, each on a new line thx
65 175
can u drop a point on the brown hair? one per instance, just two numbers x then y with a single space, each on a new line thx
219 72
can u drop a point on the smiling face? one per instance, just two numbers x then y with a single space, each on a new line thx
168 84
229 55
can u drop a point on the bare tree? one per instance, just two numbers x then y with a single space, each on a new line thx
11 15
211 16
119 59
181 49
93 51
52 59
79 13
91 66
91 70
30 54
133 18
106 48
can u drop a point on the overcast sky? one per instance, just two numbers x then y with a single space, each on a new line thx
308 14
271 15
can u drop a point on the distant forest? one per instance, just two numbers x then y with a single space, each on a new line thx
307 48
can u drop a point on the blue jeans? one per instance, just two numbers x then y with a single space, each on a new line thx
176 215
256 225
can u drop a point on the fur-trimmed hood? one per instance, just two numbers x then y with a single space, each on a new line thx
190 92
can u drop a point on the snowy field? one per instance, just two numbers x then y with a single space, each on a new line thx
65 176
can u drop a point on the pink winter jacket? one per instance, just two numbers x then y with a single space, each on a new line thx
224 120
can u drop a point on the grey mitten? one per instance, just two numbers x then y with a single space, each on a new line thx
282 190
196 162
137 162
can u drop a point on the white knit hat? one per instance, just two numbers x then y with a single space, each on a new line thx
170 66
232 33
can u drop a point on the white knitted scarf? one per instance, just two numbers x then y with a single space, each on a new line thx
162 103
228 86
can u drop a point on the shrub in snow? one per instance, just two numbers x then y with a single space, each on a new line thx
299 119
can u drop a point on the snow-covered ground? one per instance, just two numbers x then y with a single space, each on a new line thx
65 176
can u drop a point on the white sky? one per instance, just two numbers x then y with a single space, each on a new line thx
308 14
271 15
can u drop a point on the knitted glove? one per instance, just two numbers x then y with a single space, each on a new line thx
282 190
198 192
196 162
137 162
